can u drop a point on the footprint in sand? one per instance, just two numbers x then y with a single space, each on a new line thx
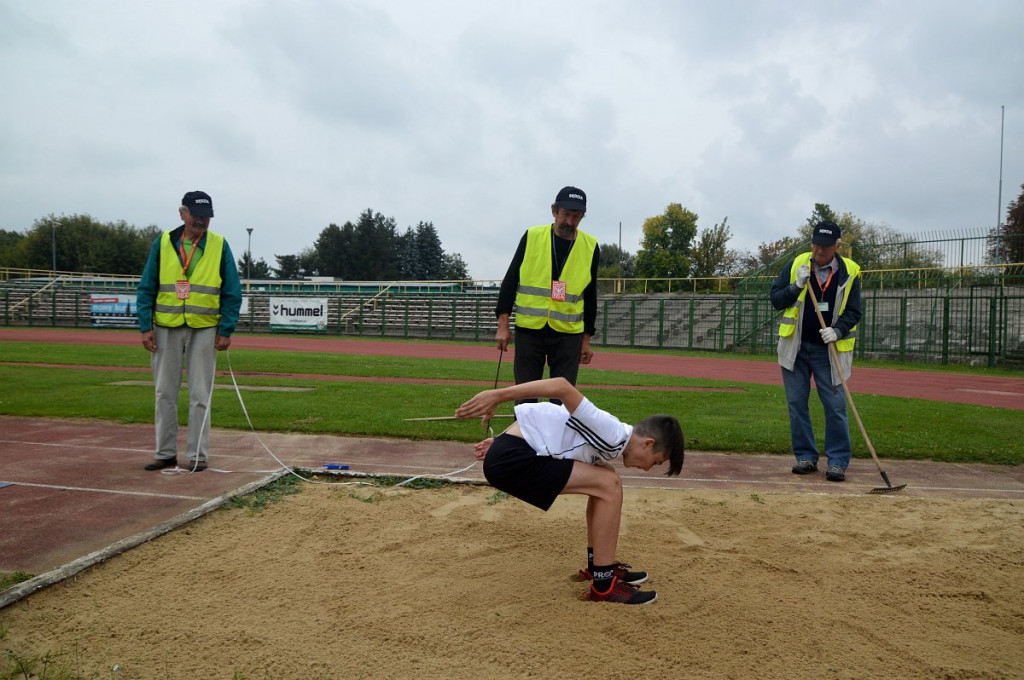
488 513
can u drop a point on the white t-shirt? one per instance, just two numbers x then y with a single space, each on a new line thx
589 435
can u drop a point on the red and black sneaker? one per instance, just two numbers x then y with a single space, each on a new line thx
633 578
622 593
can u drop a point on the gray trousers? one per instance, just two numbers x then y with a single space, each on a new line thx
193 347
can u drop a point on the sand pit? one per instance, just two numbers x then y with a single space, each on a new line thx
362 582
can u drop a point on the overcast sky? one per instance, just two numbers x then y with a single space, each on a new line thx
472 115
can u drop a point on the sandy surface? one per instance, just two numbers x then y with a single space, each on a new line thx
359 582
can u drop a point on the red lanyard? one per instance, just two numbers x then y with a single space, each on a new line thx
188 260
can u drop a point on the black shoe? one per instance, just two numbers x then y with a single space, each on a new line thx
633 578
193 466
805 467
161 463
835 474
622 593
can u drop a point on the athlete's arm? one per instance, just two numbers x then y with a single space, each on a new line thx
484 404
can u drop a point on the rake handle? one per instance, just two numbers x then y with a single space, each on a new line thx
842 378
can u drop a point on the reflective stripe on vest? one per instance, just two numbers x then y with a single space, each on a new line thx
534 306
787 325
202 308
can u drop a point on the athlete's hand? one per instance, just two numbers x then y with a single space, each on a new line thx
480 448
481 406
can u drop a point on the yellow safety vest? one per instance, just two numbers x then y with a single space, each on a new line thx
534 306
791 317
202 307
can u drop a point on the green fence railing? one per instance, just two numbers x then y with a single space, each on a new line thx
972 324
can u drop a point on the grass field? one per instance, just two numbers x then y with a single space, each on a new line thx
752 419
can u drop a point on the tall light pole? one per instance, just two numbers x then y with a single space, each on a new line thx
53 243
248 260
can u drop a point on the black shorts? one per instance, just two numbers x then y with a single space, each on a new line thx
514 467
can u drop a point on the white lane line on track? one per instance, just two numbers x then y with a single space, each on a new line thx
72 446
60 487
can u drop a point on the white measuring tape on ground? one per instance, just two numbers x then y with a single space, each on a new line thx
290 469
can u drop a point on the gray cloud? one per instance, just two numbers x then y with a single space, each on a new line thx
472 115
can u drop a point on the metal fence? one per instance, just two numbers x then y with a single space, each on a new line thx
980 324
958 249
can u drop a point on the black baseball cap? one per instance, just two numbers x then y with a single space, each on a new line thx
198 203
826 234
571 198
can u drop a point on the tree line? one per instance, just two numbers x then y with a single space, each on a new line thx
373 248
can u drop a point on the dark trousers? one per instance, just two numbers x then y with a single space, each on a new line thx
559 351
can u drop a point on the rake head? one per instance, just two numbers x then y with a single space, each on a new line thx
888 488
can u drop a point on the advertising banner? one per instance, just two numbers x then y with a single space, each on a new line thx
113 311
298 314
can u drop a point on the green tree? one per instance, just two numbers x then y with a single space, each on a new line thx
615 262
429 252
421 257
667 243
332 250
873 246
769 254
287 267
408 263
822 213
9 242
454 267
711 255
81 244
254 270
1006 245
374 255
309 263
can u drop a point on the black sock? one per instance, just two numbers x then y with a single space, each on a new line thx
603 576
590 559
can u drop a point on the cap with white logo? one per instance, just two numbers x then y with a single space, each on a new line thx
572 198
825 234
199 203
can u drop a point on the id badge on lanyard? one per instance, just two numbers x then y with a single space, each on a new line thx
558 291
823 304
181 288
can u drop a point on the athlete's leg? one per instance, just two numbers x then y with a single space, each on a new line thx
604 506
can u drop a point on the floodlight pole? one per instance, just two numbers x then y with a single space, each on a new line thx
248 260
999 208
53 244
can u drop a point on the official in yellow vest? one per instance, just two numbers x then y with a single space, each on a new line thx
551 285
188 302
803 346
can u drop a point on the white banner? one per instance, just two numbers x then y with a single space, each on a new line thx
298 314
244 310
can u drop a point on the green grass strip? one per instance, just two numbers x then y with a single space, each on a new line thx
753 420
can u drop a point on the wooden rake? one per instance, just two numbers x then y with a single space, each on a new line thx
888 488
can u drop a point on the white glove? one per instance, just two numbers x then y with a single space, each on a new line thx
802 274
828 335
